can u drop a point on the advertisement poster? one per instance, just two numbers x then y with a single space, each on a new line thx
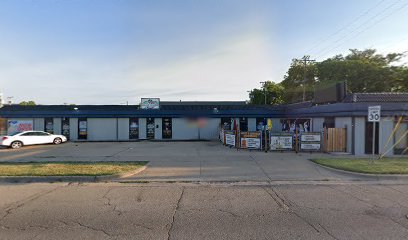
17 126
281 142
230 138
150 103
251 140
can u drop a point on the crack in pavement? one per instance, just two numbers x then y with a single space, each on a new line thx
285 205
174 214
10 209
109 202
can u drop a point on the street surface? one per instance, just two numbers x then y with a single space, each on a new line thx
203 211
201 190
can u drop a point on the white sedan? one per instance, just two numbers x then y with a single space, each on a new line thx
18 140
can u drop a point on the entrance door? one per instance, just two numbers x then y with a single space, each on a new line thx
369 138
166 128
150 126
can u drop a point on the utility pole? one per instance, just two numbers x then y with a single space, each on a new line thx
305 60
264 90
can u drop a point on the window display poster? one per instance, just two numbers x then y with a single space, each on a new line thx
133 128
17 126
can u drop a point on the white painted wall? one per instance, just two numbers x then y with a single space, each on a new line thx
359 136
211 130
158 128
73 131
251 124
102 129
57 125
182 130
317 124
123 128
386 126
39 124
142 128
342 122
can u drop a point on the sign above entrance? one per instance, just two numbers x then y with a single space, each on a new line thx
374 113
150 103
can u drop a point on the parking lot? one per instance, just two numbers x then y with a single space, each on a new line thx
185 161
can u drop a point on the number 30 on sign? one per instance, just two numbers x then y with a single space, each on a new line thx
374 113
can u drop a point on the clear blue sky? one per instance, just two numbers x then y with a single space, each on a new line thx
110 52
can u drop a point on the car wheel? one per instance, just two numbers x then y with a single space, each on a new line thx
57 141
16 145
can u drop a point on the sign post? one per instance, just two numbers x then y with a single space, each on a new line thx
374 116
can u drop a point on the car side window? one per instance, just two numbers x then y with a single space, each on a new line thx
27 134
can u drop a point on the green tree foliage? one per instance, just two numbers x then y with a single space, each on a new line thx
27 103
364 71
274 94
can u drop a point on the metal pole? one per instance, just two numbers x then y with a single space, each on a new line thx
374 123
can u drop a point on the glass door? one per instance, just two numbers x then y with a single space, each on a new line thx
150 126
65 127
167 128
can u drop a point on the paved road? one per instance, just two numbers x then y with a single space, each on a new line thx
186 161
202 211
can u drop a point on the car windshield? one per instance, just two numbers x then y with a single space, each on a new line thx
13 134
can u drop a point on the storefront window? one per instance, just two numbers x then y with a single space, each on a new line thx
243 124
226 123
133 128
49 125
290 125
167 128
82 128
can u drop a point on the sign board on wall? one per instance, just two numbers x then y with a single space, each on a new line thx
374 113
310 141
230 138
310 146
150 103
16 126
310 137
250 140
281 141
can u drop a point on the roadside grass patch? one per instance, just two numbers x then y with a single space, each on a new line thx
67 168
383 166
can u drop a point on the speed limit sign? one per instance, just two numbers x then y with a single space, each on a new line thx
374 113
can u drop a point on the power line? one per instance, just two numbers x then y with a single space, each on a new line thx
326 50
345 26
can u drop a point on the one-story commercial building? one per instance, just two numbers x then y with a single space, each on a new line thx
203 120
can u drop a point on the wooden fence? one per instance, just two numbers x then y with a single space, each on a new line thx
335 140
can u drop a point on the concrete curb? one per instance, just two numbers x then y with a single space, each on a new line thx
365 176
35 179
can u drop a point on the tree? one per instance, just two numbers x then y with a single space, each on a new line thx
294 81
274 94
364 71
27 103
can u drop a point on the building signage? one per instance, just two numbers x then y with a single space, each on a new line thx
250 140
374 113
281 141
310 146
17 126
230 138
150 103
310 137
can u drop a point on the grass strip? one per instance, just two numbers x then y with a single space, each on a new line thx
383 166
67 168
